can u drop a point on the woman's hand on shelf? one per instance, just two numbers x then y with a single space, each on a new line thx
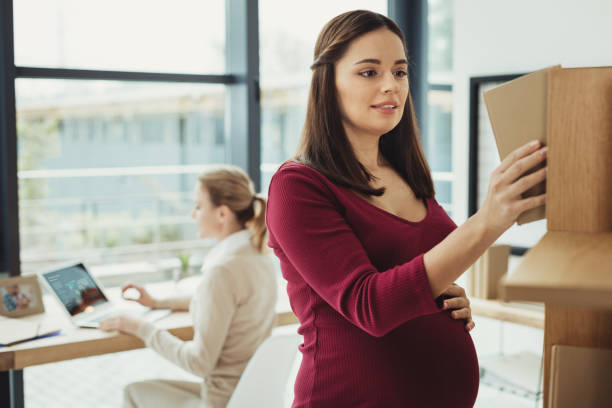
504 201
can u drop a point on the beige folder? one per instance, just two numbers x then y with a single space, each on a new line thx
518 111
580 377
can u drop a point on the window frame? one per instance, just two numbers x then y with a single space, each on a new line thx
242 107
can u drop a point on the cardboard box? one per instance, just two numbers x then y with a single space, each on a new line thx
580 377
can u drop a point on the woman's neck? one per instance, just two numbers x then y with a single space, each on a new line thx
366 150
228 230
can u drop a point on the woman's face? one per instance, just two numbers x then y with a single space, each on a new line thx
205 214
372 83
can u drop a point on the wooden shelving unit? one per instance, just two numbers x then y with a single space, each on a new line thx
570 269
526 314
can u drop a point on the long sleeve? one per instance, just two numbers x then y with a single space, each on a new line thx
308 228
212 309
175 302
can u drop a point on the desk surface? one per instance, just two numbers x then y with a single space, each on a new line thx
74 342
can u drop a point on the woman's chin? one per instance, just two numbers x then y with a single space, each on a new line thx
384 128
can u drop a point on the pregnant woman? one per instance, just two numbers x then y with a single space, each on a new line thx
369 256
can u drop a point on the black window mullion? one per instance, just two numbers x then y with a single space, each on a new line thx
243 103
412 18
88 74
9 211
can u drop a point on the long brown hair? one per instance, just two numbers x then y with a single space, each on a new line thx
231 186
324 144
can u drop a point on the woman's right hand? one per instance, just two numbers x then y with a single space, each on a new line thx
504 202
144 299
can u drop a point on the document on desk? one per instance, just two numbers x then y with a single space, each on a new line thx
14 330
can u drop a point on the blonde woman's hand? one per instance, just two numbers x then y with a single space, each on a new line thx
504 202
455 299
123 323
144 298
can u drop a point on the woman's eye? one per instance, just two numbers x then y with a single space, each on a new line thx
401 74
368 73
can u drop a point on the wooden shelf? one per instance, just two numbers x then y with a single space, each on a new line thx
565 268
526 314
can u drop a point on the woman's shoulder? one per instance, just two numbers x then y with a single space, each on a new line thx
293 167
300 178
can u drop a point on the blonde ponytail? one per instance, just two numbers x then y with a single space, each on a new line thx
257 224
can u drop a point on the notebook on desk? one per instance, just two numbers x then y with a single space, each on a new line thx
83 298
16 330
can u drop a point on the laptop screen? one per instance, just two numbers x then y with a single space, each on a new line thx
75 288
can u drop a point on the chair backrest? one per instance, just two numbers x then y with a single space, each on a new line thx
265 379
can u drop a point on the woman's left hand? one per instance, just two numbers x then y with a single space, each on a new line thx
123 323
459 304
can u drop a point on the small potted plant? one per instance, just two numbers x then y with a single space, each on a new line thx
183 270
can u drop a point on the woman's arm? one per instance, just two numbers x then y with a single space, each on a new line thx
179 302
214 307
445 262
175 302
213 310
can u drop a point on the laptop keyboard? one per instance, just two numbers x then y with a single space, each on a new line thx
98 319
147 315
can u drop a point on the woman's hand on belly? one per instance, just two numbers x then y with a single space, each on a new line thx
455 300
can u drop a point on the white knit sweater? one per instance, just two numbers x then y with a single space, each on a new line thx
233 311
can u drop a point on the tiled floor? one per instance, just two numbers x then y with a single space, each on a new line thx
98 382
94 381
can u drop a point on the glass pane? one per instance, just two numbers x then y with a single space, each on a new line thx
438 143
440 37
444 192
285 81
136 35
106 169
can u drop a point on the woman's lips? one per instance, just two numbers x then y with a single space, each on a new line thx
385 108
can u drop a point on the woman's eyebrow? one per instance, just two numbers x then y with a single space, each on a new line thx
377 61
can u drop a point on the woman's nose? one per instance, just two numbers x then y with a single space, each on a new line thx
389 83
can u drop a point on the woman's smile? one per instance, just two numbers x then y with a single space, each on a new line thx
386 108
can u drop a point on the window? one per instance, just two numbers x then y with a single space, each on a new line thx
438 138
87 192
106 168
182 36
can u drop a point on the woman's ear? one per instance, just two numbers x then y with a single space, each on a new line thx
223 212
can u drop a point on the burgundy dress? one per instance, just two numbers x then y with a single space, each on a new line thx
373 334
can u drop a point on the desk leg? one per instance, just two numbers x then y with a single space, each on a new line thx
11 389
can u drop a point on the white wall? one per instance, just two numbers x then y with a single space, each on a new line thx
500 37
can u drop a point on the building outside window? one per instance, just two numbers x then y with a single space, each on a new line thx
106 168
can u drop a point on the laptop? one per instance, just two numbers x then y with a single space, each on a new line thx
84 299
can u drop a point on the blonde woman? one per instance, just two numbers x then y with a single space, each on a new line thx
233 308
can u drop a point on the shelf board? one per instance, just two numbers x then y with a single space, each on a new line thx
565 268
526 314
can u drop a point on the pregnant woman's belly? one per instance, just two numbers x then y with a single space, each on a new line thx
427 362
439 361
